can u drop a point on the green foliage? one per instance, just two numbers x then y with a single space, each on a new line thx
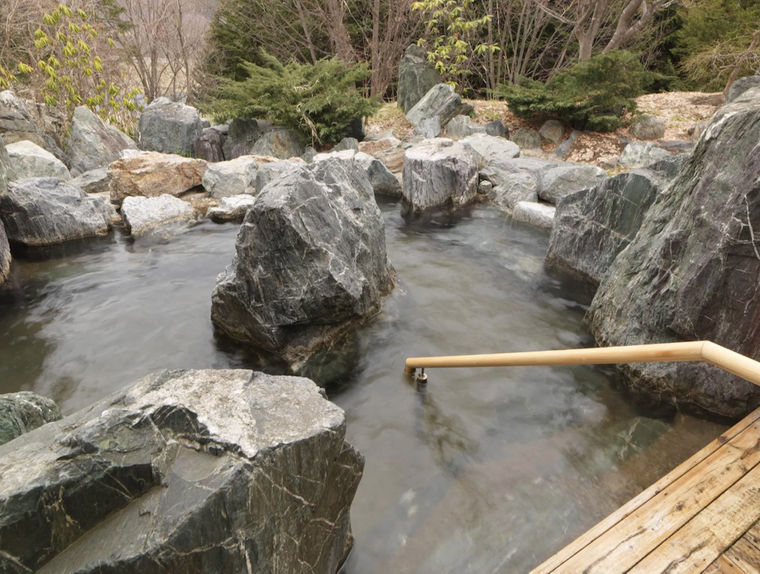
452 35
66 70
319 100
592 95
715 39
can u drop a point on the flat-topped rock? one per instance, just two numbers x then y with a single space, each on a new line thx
169 127
439 173
150 174
44 211
156 215
491 149
186 471
566 178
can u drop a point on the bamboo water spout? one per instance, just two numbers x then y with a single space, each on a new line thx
707 351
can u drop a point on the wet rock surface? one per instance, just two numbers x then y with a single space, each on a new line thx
187 471
439 174
594 225
22 412
310 263
93 143
44 211
693 270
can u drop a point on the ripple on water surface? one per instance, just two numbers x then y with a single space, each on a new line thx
487 470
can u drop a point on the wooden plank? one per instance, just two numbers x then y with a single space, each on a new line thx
711 532
753 535
746 555
622 513
723 565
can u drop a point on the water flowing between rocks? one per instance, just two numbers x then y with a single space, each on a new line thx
485 470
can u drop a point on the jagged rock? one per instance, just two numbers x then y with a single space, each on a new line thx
242 134
383 182
415 77
491 148
45 211
281 143
648 127
552 131
526 138
5 254
93 181
23 412
463 126
30 160
232 208
439 173
740 86
19 123
641 154
210 144
556 182
536 214
270 171
92 143
693 270
155 215
187 471
512 189
169 127
564 149
347 143
150 174
441 102
594 225
233 177
428 128
310 263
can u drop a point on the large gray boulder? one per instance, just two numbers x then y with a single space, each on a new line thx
383 182
45 211
515 179
30 160
169 127
740 86
648 127
242 134
23 412
20 120
232 177
310 263
566 178
160 215
693 269
490 149
281 143
415 77
268 172
594 225
93 143
462 126
187 471
439 173
210 144
641 154
441 102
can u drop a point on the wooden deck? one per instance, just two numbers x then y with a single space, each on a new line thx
704 516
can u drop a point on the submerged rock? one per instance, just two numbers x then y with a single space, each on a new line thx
30 160
23 412
693 269
93 143
187 471
439 173
169 127
594 225
44 211
150 174
144 215
310 263
415 77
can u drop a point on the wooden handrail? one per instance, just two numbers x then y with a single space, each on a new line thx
707 351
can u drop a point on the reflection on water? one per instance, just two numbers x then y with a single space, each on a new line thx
487 470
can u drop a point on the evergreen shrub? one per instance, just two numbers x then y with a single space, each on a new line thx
320 100
592 95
